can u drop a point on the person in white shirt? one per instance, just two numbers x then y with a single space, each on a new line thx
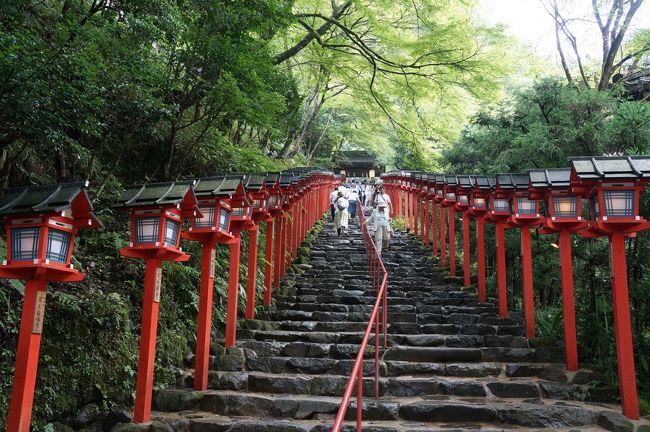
333 196
381 222
341 214
382 199
369 194
353 196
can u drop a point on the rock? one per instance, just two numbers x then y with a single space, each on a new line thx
159 426
562 391
175 400
85 416
60 427
554 373
131 427
523 370
513 389
227 380
114 417
615 422
463 388
546 416
446 412
301 408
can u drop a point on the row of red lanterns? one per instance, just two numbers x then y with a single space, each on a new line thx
42 222
610 185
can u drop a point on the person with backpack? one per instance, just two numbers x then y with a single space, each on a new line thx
381 198
341 213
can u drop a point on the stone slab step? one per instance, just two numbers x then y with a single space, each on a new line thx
402 386
201 421
528 413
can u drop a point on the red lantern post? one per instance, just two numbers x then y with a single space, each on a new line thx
614 185
525 215
481 187
41 224
563 216
431 181
463 190
440 197
157 211
241 220
450 202
275 211
211 228
499 214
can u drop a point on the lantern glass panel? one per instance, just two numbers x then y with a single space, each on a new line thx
207 221
526 206
224 219
619 203
58 245
171 232
462 199
565 206
273 201
439 193
450 196
259 203
501 205
24 243
238 211
146 230
479 202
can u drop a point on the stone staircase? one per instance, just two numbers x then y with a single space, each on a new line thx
450 364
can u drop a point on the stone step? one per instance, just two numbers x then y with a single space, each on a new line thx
486 354
459 341
534 413
402 386
201 421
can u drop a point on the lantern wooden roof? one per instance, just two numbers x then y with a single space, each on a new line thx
286 178
173 194
512 182
54 198
610 167
552 178
218 186
465 182
272 180
484 182
255 182
440 179
451 180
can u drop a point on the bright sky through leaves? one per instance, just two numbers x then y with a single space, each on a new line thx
528 21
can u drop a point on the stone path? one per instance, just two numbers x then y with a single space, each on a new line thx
451 364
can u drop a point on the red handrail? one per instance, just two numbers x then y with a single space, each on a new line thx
379 281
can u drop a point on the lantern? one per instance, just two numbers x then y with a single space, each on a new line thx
613 186
157 211
481 187
41 224
563 217
525 209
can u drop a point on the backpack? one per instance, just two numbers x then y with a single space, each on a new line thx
339 206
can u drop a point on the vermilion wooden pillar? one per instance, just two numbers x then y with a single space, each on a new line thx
426 224
233 290
251 282
467 267
623 327
568 303
422 221
148 334
452 242
268 262
414 212
279 240
204 321
434 227
527 276
502 291
480 258
29 344
443 228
